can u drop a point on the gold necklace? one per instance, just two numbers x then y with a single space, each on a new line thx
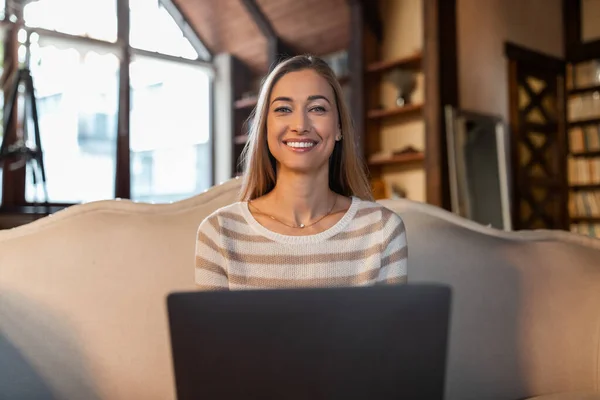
301 226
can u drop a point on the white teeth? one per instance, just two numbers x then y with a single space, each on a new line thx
300 144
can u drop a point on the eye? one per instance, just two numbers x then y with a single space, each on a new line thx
319 109
283 109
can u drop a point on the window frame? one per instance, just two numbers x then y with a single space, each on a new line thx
13 195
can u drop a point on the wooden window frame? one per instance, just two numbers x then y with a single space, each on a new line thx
13 183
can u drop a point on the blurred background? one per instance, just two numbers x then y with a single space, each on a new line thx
487 108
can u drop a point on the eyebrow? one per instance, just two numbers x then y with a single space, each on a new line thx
310 98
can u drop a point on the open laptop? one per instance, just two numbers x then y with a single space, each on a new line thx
382 342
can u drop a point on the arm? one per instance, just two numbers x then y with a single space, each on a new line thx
394 257
210 268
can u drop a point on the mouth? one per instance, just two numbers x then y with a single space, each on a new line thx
300 145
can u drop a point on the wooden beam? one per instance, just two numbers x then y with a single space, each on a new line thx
260 18
440 68
372 17
571 26
356 65
575 49
123 168
277 49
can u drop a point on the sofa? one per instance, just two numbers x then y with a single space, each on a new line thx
83 312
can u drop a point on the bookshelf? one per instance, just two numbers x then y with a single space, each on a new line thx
583 135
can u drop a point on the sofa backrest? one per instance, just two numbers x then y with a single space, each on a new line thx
82 300
526 304
82 297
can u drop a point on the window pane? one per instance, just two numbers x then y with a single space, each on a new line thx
153 29
77 98
96 19
2 35
170 137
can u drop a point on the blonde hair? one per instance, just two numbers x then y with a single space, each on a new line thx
347 174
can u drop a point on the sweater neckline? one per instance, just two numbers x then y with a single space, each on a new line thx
303 239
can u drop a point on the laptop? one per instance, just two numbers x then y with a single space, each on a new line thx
381 342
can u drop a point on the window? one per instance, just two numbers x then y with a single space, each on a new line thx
77 101
2 34
153 29
94 19
76 75
170 131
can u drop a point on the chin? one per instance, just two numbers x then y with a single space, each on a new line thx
303 167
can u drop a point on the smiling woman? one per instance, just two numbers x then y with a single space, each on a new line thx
306 217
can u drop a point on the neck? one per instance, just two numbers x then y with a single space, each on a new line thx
303 197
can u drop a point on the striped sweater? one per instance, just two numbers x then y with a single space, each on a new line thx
366 247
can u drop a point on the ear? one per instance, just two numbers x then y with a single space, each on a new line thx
338 137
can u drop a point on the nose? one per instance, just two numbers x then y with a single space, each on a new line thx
300 123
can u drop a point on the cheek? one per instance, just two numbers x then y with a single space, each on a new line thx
327 128
273 133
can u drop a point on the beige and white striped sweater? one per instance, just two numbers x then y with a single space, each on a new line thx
366 247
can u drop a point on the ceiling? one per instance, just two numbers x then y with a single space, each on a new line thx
307 26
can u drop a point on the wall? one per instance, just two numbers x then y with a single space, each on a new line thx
482 29
590 15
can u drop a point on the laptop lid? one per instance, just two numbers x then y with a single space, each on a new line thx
382 342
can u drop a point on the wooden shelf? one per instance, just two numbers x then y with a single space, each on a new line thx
408 110
585 89
399 159
412 62
589 154
592 220
248 102
593 121
591 186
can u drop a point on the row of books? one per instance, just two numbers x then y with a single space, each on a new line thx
583 171
583 74
587 229
584 139
584 106
584 204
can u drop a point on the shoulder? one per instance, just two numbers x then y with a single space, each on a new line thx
376 211
230 212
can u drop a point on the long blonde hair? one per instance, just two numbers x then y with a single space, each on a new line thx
347 174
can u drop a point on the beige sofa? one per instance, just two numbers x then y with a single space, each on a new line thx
82 301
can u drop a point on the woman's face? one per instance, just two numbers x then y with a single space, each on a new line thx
302 121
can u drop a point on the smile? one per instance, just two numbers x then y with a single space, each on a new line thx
300 145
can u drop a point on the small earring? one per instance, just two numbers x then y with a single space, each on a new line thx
338 137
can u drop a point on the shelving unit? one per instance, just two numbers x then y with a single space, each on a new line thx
407 110
412 62
583 135
398 159
392 128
